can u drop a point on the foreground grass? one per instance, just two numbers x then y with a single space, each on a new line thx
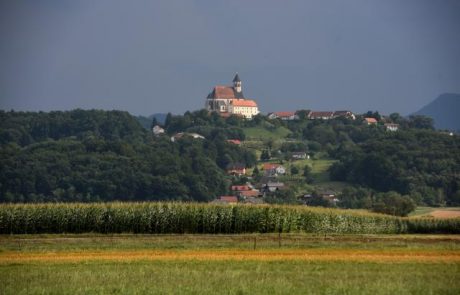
229 264
230 277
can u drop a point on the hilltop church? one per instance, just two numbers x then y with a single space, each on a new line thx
228 100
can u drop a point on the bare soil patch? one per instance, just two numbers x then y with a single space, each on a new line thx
445 213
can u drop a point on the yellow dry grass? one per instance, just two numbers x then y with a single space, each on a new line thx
347 255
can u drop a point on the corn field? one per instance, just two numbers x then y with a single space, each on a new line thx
194 218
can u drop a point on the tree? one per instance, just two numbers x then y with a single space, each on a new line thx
421 122
265 155
393 203
294 170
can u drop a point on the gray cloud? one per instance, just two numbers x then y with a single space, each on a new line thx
158 56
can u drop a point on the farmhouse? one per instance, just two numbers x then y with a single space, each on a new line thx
157 130
370 121
228 100
272 186
285 116
321 115
299 156
273 169
391 127
345 114
236 169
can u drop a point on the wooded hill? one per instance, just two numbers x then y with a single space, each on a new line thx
107 155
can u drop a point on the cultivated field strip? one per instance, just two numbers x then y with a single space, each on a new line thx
353 255
194 218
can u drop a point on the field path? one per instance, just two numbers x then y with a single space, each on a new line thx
352 255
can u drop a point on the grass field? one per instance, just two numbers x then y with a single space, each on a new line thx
264 134
230 264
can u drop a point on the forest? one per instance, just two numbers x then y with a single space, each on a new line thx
93 155
88 156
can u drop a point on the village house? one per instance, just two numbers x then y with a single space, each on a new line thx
240 188
272 186
370 121
228 100
237 169
391 127
157 130
285 116
273 169
321 115
299 156
346 114
234 141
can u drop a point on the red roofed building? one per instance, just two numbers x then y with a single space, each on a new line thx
287 116
321 115
230 100
234 141
240 188
370 121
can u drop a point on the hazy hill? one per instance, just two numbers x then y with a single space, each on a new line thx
444 111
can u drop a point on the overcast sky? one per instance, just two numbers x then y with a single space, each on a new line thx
158 56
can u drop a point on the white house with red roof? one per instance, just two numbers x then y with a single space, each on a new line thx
286 116
227 100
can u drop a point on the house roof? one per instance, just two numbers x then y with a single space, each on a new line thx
370 120
243 103
240 188
225 92
342 113
234 141
270 166
284 114
321 114
229 199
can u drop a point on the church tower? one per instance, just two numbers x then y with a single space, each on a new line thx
237 83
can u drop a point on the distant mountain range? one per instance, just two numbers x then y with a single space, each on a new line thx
444 110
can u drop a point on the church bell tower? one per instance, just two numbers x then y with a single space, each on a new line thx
237 83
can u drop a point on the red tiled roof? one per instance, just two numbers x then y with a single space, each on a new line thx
224 92
284 114
243 103
240 188
229 199
270 166
370 120
234 141
321 114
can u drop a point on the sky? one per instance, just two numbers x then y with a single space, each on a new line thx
161 56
